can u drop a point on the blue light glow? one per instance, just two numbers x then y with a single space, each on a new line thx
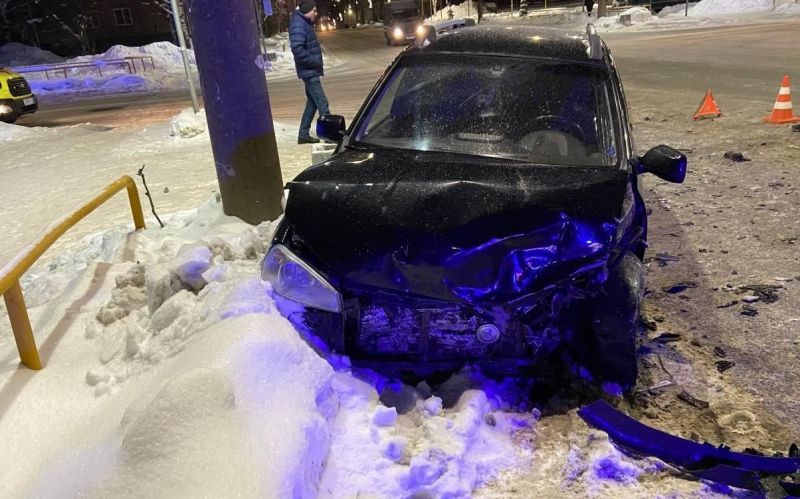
516 265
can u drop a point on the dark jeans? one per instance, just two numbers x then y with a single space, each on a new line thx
316 101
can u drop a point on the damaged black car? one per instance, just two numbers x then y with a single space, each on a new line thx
483 207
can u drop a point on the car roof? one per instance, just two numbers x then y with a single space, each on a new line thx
528 41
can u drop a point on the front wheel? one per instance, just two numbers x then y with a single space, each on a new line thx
9 118
609 343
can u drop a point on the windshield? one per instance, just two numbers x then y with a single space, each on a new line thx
406 15
538 111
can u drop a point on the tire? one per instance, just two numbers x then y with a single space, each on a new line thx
9 118
610 346
388 41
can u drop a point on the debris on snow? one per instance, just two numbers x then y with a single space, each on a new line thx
736 157
692 400
667 337
749 310
724 365
679 287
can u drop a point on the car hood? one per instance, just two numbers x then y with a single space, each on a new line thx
453 227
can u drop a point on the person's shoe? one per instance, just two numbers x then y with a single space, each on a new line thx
307 140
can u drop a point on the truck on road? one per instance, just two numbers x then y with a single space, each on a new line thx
402 21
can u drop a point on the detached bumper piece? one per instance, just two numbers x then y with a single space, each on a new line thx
717 464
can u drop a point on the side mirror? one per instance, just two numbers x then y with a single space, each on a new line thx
331 128
664 162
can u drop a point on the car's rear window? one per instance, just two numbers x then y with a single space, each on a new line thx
533 110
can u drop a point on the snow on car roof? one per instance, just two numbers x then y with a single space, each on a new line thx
530 41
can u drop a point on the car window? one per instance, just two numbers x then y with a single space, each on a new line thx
537 111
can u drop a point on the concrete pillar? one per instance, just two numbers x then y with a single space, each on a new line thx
227 51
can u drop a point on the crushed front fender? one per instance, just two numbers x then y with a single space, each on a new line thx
717 464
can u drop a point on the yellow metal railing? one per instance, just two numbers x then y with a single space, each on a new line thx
11 273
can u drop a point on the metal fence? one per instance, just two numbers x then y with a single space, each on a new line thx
128 63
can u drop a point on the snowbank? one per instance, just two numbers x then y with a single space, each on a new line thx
165 56
462 10
635 16
17 54
715 7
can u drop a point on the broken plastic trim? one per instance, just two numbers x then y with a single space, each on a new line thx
717 464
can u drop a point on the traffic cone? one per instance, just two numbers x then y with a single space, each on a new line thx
708 107
782 110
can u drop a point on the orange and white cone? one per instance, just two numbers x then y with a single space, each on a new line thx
782 110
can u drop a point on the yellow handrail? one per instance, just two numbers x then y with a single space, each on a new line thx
11 273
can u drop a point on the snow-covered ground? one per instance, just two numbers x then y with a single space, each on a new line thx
169 373
162 70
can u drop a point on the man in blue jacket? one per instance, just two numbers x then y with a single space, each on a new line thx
308 62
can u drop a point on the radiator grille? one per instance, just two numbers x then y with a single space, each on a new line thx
18 87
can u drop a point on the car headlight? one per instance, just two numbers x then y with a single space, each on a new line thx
292 278
324 28
420 30
398 33
5 109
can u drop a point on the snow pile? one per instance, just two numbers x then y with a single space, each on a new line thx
634 16
13 132
188 124
165 55
601 468
422 444
462 10
792 8
19 133
17 54
673 9
715 7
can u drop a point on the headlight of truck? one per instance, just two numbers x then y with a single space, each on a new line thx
292 278
398 33
5 109
420 30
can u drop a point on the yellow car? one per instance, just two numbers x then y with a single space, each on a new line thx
16 97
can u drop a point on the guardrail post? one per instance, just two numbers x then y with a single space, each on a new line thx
136 205
21 326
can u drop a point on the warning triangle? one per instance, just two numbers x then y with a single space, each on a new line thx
708 107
